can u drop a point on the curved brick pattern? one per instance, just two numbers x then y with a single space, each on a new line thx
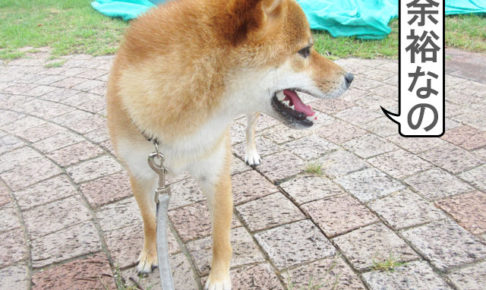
294 244
53 123
413 275
329 273
373 244
445 244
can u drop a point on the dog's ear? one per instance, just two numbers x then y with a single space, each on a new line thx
272 7
243 17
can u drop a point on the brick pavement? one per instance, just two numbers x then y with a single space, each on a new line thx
67 217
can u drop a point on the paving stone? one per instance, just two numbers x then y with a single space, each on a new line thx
368 146
67 243
194 221
400 163
358 116
99 135
471 278
294 244
80 121
333 106
413 275
107 189
310 147
92 272
46 191
68 83
185 192
405 209
260 276
86 102
466 137
264 146
14 277
340 163
382 127
13 247
46 109
416 145
54 216
4 194
119 214
280 166
436 183
9 116
94 168
339 214
250 185
451 158
57 141
27 170
245 251
282 134
238 166
473 118
9 219
339 132
75 153
369 184
182 275
445 244
468 209
269 211
328 273
126 243
476 177
306 188
373 244
9 143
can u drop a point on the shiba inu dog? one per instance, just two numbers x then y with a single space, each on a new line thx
184 71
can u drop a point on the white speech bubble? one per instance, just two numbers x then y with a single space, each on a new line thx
421 111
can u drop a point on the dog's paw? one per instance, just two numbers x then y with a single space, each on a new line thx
218 285
146 263
252 158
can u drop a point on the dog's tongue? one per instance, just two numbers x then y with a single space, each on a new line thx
297 102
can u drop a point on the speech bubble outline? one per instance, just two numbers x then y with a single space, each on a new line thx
397 117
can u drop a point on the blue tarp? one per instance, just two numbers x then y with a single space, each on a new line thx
365 19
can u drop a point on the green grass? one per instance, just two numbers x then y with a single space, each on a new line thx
67 26
467 32
313 168
72 26
387 265
341 47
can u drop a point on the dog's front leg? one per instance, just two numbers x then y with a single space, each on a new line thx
252 157
215 181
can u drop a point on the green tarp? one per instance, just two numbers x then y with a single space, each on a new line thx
365 19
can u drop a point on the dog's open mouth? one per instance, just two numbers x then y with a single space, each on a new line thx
289 105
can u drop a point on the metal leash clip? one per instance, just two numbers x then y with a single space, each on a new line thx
156 162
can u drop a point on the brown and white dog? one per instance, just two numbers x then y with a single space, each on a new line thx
184 71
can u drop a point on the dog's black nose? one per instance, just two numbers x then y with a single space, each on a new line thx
349 77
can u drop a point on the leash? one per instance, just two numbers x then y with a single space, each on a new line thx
162 195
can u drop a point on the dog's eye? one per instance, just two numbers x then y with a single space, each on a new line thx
305 52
